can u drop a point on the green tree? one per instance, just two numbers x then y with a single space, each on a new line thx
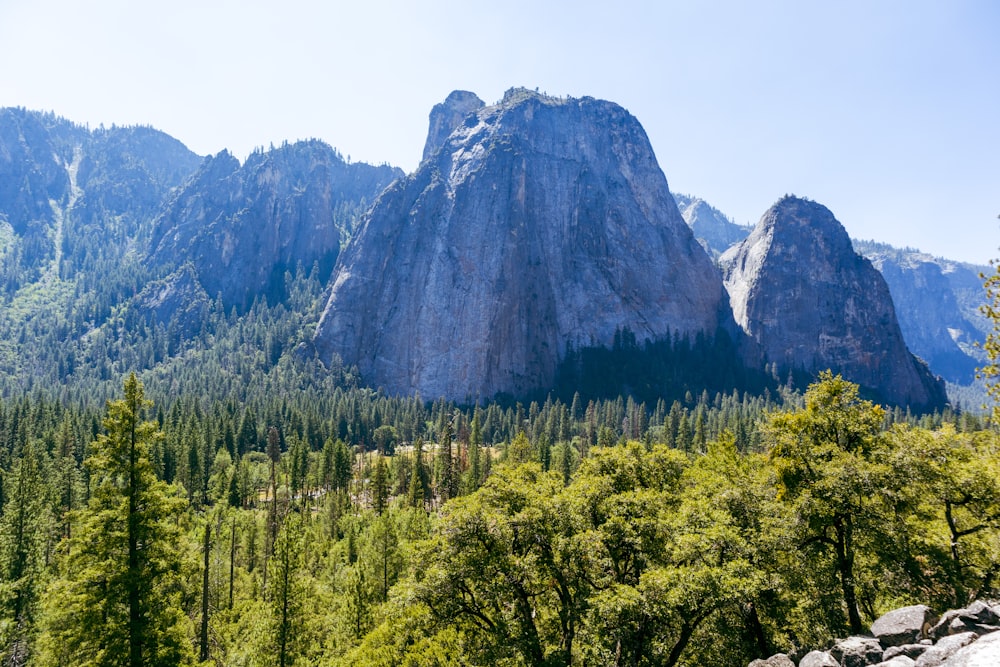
990 373
24 528
418 476
446 473
520 450
287 599
380 485
829 459
118 602
474 475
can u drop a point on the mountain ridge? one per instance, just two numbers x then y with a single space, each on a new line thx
105 195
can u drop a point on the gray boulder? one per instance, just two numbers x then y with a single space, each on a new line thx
945 649
909 650
777 660
857 651
979 617
898 661
982 653
903 626
818 659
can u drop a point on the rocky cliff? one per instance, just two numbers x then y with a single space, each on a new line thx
446 116
937 303
243 226
809 302
539 223
710 226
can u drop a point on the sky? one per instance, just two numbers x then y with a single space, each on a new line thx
885 111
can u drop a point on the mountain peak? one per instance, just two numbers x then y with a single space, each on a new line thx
537 224
793 219
809 303
447 115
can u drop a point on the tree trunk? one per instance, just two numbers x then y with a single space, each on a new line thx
232 562
845 564
203 656
135 620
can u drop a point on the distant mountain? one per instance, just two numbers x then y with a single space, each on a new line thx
937 303
539 224
716 232
72 199
936 300
810 302
243 227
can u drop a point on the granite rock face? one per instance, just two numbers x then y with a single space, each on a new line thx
809 302
540 223
243 226
928 295
448 115
178 301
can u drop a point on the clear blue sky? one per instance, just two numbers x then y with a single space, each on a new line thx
886 111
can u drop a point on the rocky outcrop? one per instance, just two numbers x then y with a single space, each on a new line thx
540 223
904 625
915 637
447 116
710 226
809 302
178 302
244 226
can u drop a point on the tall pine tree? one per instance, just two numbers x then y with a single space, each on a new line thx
118 601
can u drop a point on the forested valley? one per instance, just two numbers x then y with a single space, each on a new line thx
305 525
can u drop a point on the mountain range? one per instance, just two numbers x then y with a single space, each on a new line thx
533 230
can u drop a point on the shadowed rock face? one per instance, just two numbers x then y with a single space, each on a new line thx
539 223
243 226
809 302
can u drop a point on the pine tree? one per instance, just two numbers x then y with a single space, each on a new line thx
447 482
544 451
119 600
23 531
418 476
566 462
474 475
287 600
380 485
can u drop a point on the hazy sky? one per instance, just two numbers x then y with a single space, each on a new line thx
887 112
